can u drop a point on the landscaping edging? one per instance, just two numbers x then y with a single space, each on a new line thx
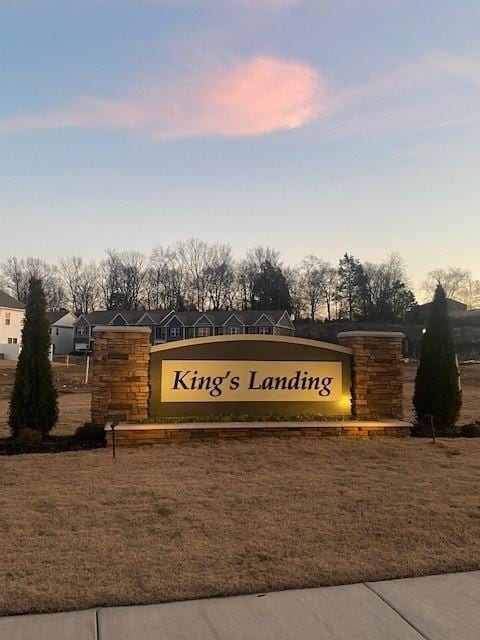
138 434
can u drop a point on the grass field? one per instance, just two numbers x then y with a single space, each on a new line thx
215 518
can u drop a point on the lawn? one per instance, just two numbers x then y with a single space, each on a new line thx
217 518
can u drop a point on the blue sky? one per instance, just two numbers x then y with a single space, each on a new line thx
315 126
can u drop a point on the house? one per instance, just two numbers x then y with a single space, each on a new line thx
181 325
12 314
61 331
455 309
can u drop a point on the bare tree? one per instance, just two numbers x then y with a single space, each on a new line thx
316 281
81 282
330 289
455 282
195 255
110 275
220 277
387 296
133 279
17 273
165 281
13 278
471 294
295 287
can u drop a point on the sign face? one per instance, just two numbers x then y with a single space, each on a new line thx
202 381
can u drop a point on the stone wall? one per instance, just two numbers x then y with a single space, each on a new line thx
120 374
377 386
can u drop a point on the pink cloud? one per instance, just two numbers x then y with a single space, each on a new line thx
253 97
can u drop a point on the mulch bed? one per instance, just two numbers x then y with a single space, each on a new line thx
53 444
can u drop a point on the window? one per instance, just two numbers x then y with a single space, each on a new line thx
233 331
203 332
7 318
263 330
174 332
57 331
12 341
82 331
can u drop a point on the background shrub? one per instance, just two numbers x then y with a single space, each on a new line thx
471 430
28 436
90 432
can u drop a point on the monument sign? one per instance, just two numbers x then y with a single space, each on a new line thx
254 375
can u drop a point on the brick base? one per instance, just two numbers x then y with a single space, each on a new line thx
131 435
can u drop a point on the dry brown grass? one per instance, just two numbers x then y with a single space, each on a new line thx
74 411
206 518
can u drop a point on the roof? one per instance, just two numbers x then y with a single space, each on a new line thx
217 318
55 316
105 317
188 318
8 302
452 305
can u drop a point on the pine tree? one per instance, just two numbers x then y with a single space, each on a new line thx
437 385
270 289
33 403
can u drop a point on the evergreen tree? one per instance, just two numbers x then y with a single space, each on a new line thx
270 289
352 287
437 385
33 403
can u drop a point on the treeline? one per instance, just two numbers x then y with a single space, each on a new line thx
200 276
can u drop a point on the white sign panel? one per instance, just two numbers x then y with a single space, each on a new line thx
250 381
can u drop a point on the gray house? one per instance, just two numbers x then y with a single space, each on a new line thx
181 325
61 331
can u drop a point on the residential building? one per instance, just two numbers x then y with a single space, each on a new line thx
455 309
12 314
181 325
61 331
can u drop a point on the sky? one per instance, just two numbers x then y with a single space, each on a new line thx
313 126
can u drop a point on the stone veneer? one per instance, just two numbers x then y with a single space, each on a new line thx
140 434
120 374
376 373
121 389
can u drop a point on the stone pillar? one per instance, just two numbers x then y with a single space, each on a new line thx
120 373
377 385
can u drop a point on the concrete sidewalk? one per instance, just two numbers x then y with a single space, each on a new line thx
430 608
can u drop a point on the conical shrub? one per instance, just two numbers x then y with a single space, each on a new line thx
33 403
437 386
